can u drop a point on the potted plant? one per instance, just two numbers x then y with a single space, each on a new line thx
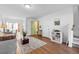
25 40
24 34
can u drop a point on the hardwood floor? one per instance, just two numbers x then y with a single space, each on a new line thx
54 48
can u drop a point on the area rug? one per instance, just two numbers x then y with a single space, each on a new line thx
8 46
34 43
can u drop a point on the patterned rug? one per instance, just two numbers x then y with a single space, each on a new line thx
34 43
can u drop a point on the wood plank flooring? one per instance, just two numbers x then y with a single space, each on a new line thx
54 48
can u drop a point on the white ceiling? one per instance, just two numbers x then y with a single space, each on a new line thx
37 10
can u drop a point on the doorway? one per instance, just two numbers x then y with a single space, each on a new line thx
34 27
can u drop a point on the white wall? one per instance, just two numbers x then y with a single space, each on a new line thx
76 21
28 26
66 19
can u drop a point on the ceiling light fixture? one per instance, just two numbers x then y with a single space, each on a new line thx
27 5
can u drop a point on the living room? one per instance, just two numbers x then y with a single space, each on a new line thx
45 26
